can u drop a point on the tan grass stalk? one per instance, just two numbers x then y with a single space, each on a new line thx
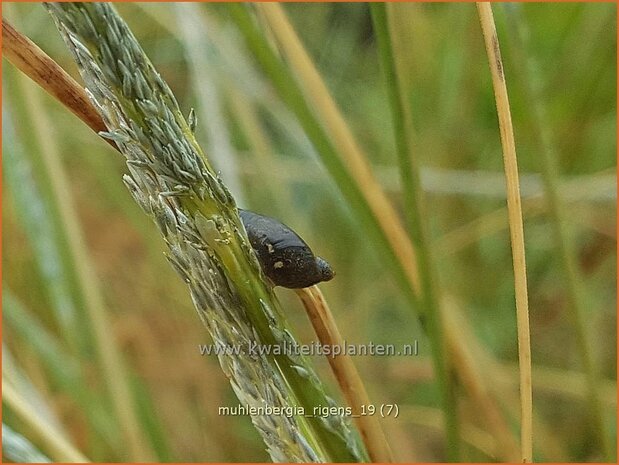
516 226
346 373
54 443
26 56
508 395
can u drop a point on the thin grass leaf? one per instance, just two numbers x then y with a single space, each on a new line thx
418 228
356 170
37 216
516 227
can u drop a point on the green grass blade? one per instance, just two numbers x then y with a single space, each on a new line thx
417 221
38 216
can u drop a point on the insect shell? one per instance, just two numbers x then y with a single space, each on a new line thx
284 257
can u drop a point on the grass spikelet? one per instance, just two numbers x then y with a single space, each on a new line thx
172 180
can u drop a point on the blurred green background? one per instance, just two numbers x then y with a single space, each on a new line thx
271 168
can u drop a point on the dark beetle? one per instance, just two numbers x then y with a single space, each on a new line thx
284 257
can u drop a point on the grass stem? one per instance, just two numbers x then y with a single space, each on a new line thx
514 210
346 373
38 66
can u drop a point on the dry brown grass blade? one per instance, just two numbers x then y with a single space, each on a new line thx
514 210
346 373
26 56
